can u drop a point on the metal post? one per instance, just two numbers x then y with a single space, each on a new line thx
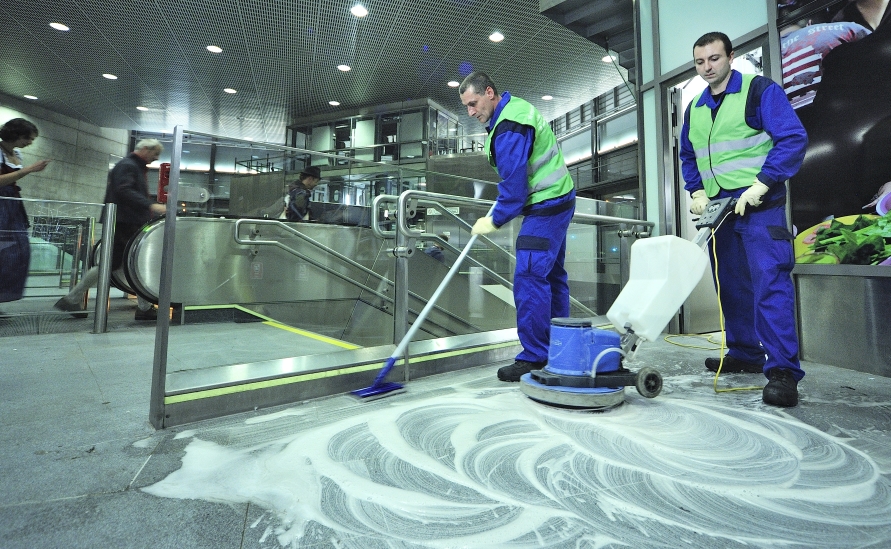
159 369
103 285
624 255
75 260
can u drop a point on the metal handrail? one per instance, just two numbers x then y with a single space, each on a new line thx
375 223
426 197
329 251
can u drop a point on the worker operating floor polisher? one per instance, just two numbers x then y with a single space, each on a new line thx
585 364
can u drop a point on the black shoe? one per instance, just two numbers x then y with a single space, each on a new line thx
733 366
516 370
781 389
76 309
151 314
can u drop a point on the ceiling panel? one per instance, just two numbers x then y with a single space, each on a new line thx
281 57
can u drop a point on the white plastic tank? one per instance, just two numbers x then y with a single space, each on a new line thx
664 271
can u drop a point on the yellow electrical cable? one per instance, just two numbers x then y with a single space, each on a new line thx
670 337
723 333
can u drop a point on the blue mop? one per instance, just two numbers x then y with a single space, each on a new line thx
380 387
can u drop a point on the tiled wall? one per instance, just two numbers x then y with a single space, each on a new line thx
80 153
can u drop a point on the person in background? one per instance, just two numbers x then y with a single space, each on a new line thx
742 139
434 250
869 13
15 250
300 194
128 188
804 45
536 184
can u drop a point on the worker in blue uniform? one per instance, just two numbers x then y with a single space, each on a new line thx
535 184
741 138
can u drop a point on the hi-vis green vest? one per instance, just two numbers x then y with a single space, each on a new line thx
546 170
729 154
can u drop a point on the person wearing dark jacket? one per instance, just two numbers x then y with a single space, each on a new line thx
300 194
536 184
127 188
742 139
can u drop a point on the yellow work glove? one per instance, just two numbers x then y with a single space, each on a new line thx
751 197
484 225
700 201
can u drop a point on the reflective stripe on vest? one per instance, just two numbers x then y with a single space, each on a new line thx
729 153
546 170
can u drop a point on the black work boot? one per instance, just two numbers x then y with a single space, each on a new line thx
516 370
781 388
733 366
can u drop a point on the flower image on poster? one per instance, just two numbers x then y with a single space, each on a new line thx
837 74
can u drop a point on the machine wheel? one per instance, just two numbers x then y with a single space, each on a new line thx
649 382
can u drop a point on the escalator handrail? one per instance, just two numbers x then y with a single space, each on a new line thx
320 246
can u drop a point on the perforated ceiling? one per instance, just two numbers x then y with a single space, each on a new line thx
282 59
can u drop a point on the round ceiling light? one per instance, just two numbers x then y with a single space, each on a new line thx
214 49
140 108
60 27
31 97
359 10
547 97
496 37
344 68
454 84
110 76
230 90
334 103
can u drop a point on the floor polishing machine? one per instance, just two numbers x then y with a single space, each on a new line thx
585 364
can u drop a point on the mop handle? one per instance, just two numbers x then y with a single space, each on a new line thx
416 325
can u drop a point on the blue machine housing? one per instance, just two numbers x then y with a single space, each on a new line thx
577 348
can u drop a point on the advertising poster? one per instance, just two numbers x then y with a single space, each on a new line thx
837 75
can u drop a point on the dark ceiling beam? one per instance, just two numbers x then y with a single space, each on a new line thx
622 41
577 15
608 24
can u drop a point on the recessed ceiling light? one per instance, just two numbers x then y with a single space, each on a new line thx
30 97
454 84
110 76
141 108
496 37
547 97
215 49
344 68
334 103
60 27
608 58
359 10
230 90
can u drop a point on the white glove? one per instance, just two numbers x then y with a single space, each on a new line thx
700 201
484 225
751 197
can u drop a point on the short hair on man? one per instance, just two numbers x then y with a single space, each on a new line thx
710 37
479 81
149 144
17 128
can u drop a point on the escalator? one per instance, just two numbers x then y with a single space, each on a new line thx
332 280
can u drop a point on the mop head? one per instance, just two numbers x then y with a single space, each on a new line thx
379 391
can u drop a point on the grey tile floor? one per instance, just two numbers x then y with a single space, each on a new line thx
460 460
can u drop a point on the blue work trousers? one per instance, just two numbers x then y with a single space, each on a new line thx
754 265
541 285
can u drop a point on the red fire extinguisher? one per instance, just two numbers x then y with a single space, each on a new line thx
163 181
